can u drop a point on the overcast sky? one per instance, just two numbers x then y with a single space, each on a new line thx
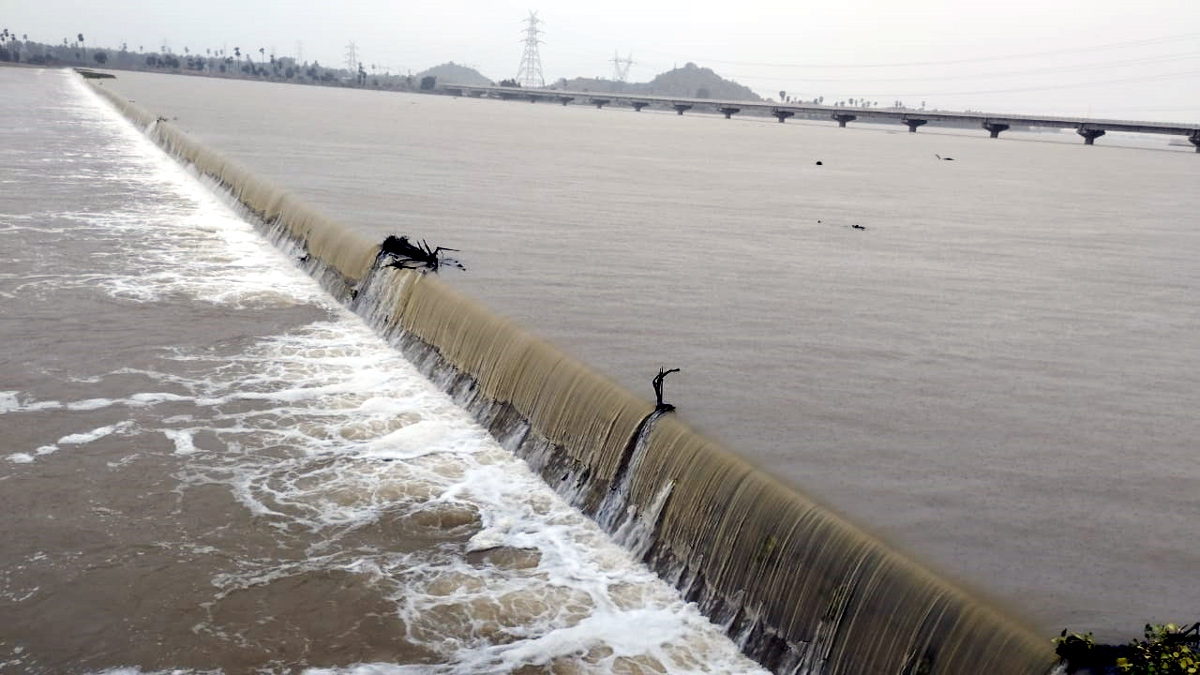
1129 59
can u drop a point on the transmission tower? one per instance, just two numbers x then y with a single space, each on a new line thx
352 58
621 67
530 72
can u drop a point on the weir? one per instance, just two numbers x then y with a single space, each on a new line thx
799 588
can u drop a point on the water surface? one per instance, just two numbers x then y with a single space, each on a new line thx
999 373
206 464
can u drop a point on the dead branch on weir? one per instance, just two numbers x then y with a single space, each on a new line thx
406 255
658 389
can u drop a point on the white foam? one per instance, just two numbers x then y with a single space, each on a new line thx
90 404
150 398
346 401
630 633
190 241
182 438
11 402
375 669
20 458
95 434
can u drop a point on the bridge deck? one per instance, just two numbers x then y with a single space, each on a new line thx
1142 127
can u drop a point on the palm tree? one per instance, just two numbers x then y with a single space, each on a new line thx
237 51
262 55
81 43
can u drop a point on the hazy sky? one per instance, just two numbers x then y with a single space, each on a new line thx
1102 58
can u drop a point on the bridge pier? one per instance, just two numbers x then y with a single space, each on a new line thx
994 128
913 123
600 102
1195 139
782 115
565 99
638 105
1089 135
508 95
680 107
730 112
533 98
842 118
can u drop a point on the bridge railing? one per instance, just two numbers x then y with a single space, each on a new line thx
1088 128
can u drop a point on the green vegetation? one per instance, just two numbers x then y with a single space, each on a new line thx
237 63
1164 650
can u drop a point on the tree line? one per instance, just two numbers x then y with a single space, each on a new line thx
251 64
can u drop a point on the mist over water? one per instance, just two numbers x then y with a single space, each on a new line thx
208 465
999 373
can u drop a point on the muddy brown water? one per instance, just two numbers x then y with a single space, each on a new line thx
999 373
207 465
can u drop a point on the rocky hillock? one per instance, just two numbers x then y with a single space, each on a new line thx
452 73
690 81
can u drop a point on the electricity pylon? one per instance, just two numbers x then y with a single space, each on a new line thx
530 72
621 67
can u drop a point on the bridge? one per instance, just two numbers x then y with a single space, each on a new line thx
1089 129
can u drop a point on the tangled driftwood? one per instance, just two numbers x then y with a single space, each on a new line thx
406 255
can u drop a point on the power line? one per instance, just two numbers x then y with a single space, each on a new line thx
1071 85
978 76
983 59
1010 73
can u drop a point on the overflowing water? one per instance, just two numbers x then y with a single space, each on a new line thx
999 372
208 465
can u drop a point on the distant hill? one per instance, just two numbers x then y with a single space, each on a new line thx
452 73
690 81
